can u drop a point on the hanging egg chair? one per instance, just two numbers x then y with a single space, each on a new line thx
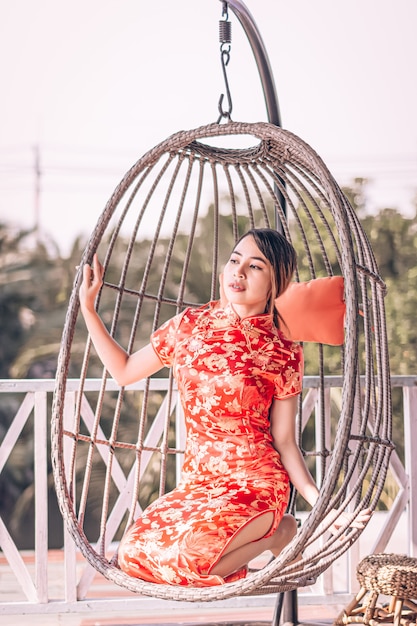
163 237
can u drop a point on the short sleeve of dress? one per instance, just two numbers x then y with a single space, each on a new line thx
290 381
164 340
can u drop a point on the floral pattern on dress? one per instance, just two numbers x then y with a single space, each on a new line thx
228 372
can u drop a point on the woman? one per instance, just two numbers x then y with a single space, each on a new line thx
239 378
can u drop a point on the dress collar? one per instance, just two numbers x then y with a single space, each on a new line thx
227 313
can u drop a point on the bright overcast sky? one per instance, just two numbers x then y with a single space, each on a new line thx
96 83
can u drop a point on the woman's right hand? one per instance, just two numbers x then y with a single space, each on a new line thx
91 284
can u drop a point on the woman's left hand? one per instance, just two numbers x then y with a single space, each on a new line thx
340 519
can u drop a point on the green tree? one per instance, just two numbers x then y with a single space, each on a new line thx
394 241
35 283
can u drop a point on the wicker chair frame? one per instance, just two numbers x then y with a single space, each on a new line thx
184 198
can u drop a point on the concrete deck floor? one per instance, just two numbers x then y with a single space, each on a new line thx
260 615
312 615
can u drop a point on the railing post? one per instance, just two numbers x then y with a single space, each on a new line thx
41 496
410 437
70 550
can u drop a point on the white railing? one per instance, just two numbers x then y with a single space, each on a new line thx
30 588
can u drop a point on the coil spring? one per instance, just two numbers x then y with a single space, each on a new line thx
225 31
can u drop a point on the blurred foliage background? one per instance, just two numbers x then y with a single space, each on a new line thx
35 285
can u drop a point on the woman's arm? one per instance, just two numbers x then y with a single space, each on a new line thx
283 432
282 418
124 368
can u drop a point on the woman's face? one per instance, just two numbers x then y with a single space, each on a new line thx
247 279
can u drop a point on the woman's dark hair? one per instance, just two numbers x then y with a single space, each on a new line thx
283 259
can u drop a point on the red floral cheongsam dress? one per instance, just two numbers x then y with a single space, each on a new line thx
228 372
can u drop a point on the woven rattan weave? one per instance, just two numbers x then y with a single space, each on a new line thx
162 238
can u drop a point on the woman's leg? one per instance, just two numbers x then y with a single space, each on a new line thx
248 543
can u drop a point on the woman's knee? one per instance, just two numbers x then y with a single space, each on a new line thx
288 526
254 530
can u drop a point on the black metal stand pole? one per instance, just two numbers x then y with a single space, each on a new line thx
261 58
286 602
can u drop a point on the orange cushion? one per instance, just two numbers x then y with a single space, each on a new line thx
314 310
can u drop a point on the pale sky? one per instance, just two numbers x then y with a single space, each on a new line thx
93 84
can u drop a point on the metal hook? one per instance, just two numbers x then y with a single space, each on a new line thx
225 10
225 37
225 58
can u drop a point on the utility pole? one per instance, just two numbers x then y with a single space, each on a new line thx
37 192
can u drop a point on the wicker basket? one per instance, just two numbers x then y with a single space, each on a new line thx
391 575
